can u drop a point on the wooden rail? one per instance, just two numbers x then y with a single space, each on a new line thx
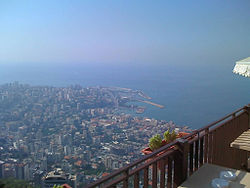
170 167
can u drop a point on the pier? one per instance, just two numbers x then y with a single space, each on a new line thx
152 103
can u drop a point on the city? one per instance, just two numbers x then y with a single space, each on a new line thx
78 131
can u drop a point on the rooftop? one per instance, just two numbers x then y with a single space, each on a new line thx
56 174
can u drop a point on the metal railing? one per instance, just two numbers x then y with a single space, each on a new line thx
170 165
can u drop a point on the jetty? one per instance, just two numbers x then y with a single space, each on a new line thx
152 103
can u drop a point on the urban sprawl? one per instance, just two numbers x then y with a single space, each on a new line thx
83 132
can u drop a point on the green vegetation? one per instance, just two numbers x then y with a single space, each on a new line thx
155 142
57 186
88 170
14 183
169 136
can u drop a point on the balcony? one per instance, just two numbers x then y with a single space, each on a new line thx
168 167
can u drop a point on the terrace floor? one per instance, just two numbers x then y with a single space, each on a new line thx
204 176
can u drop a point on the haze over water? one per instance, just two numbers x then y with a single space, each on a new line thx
193 96
181 53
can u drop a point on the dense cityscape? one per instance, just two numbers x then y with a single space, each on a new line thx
124 94
79 133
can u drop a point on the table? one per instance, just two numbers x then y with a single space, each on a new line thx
203 176
243 141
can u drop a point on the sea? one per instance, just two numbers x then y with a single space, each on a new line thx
193 96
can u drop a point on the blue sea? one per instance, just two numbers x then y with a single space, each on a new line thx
192 95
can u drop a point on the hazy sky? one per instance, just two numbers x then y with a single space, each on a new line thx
118 32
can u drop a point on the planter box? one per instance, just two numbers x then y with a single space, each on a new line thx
147 150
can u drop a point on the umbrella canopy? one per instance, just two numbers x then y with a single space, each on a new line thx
242 67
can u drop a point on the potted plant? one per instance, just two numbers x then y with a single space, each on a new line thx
156 141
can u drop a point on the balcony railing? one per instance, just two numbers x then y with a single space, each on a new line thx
170 165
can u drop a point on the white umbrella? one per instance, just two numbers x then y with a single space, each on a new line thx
242 67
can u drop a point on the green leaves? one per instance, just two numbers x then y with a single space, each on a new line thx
57 186
155 142
14 183
169 137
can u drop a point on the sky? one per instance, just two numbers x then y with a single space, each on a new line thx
124 32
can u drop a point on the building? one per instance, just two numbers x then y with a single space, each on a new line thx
37 177
44 165
58 177
1 169
19 169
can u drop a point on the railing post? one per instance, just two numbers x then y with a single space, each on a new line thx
248 110
154 176
196 152
184 150
206 146
177 169
170 172
136 180
125 182
145 177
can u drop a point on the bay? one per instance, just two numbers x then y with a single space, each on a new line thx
192 95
